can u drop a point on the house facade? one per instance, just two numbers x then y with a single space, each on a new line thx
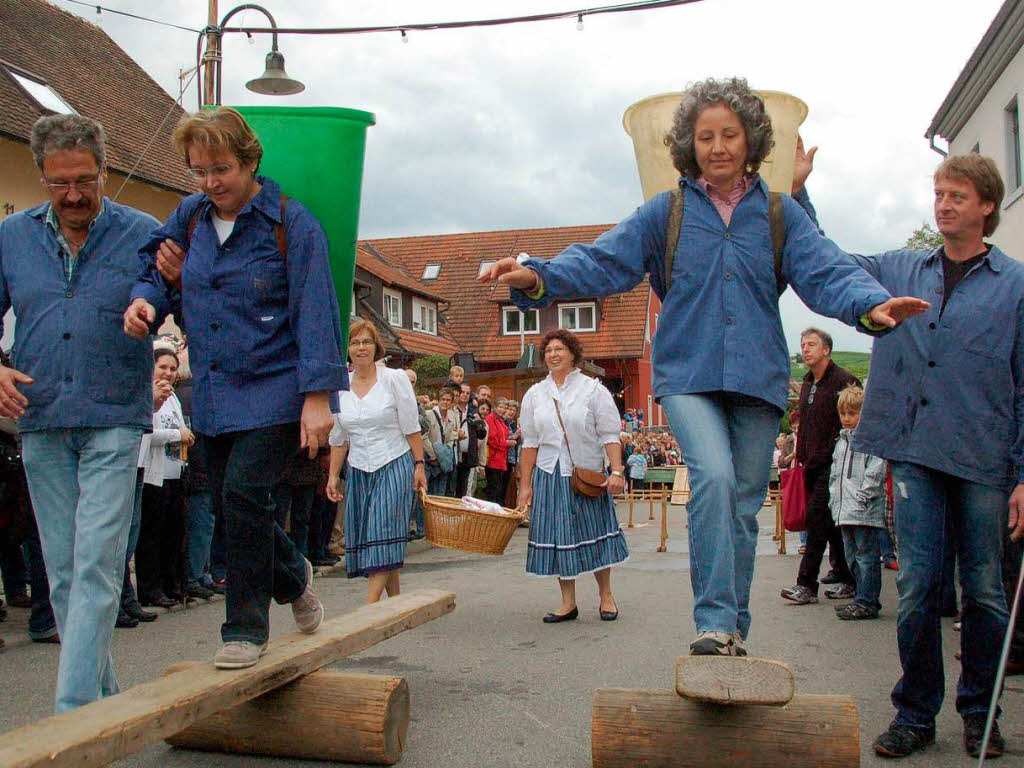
492 336
982 113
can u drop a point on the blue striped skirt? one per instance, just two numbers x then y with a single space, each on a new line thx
571 534
377 506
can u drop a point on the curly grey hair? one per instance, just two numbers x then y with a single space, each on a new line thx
54 133
733 93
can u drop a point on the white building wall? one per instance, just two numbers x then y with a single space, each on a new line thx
987 130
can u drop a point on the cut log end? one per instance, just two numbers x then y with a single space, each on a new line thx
734 680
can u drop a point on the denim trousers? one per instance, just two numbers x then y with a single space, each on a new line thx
262 562
82 483
295 503
860 543
821 532
198 534
727 440
129 600
933 508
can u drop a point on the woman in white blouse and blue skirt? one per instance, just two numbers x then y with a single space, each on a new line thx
571 534
377 429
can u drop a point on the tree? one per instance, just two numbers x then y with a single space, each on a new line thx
431 366
924 238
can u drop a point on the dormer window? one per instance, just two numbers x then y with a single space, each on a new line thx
578 317
393 307
424 316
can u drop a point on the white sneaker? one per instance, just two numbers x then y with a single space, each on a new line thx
307 609
737 641
709 643
238 654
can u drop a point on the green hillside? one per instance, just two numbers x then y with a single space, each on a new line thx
855 362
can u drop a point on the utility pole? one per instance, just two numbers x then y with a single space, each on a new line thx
211 58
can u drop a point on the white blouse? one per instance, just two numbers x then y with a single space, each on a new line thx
375 426
160 450
590 416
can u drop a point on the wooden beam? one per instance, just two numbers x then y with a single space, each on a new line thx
734 680
112 728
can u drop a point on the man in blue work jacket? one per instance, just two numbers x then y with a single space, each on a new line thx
79 388
952 376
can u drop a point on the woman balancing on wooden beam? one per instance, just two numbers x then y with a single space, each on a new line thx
720 363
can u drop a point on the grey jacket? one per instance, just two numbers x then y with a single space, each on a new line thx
856 485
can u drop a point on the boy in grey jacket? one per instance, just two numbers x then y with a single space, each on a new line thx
857 500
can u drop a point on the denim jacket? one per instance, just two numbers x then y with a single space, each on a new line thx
948 392
69 334
856 485
262 330
719 327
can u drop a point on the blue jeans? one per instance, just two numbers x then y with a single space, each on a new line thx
885 546
931 509
295 502
129 599
82 483
862 555
727 440
198 534
262 562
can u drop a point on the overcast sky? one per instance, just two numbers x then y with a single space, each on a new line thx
521 126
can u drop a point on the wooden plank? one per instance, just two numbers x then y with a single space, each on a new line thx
658 728
681 486
664 519
111 728
734 680
327 715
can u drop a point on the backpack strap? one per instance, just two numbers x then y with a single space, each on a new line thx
777 225
672 229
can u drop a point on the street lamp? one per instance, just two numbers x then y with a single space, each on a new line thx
273 82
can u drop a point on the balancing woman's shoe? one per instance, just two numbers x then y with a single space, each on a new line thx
609 615
555 618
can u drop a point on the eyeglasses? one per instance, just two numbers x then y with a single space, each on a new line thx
362 343
810 397
216 172
82 185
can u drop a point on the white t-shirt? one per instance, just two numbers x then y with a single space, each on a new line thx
223 226
375 426
590 416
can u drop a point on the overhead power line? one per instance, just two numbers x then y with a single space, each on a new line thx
100 8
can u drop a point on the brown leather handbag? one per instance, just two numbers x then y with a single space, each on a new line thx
585 482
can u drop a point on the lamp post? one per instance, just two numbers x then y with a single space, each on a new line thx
273 82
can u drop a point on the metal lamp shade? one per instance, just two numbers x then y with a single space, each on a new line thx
275 81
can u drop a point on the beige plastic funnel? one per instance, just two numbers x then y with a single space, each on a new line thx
649 119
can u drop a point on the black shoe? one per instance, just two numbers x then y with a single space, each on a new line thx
19 600
158 600
555 618
331 560
901 740
54 638
216 587
136 612
974 734
199 591
831 578
948 611
124 621
609 615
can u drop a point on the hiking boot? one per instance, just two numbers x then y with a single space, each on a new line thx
901 740
737 640
840 592
307 610
974 734
855 611
800 595
238 654
710 643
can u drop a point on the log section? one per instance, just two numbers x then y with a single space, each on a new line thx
734 680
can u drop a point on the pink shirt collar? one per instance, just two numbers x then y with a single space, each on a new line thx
725 203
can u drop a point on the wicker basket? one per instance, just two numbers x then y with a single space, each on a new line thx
451 525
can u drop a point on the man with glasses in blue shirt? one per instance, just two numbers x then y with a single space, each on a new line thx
79 388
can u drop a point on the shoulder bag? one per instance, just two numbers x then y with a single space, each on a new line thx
585 482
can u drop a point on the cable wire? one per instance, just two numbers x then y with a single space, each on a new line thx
131 15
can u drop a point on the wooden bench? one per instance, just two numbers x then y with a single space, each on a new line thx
120 725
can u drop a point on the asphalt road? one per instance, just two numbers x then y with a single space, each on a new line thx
493 686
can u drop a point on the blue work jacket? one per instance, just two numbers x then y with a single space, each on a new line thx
262 330
719 328
69 334
948 392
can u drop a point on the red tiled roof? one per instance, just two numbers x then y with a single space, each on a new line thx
474 317
98 79
425 343
390 272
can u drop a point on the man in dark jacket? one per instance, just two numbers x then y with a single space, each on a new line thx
819 428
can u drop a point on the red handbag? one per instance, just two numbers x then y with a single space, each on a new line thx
794 498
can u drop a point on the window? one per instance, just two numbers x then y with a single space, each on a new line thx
44 95
393 307
424 316
577 317
352 306
484 265
512 321
1012 119
431 272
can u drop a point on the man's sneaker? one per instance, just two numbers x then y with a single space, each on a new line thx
307 609
737 640
197 590
710 643
238 654
855 611
800 595
831 578
901 740
974 734
841 592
